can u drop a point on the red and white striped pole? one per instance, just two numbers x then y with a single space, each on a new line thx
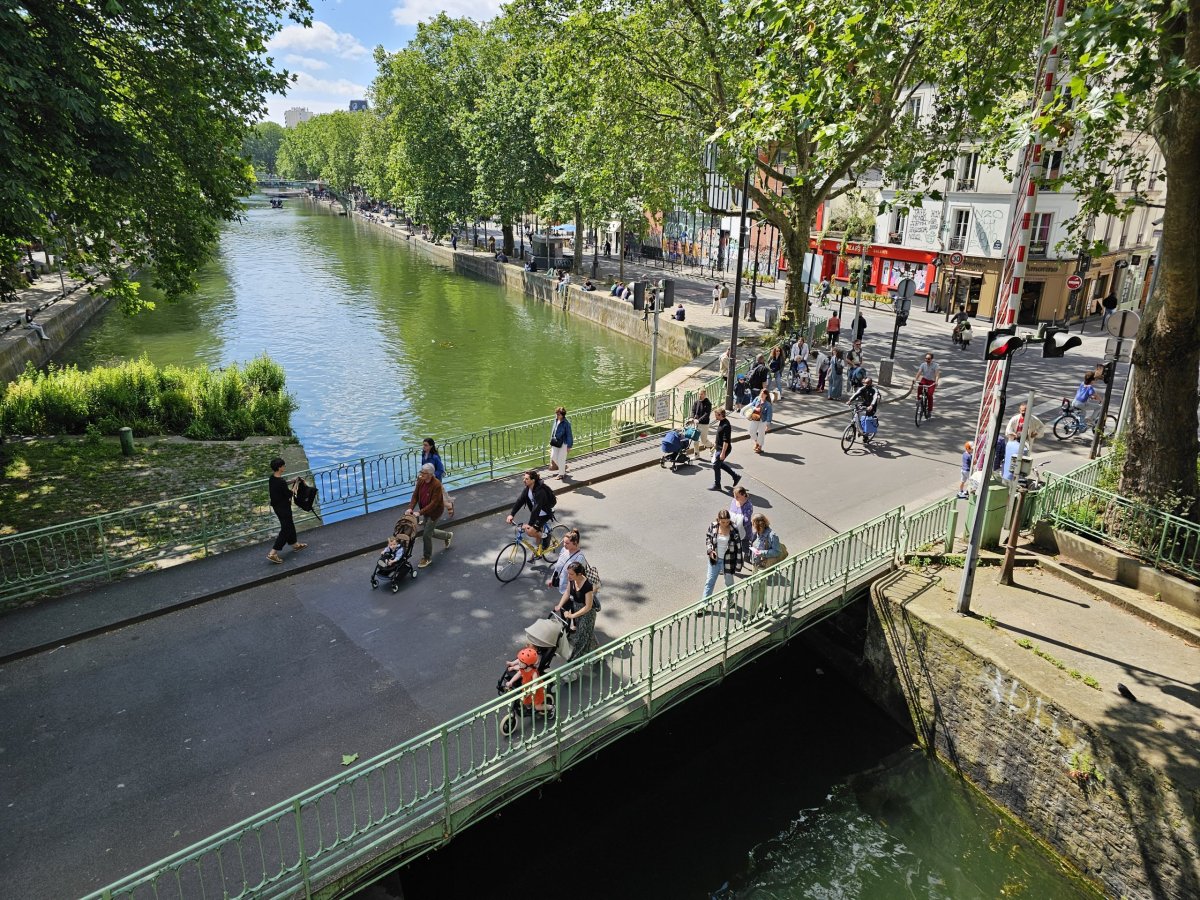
1008 298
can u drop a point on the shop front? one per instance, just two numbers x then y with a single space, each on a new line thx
971 285
885 265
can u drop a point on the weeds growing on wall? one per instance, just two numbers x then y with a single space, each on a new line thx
225 404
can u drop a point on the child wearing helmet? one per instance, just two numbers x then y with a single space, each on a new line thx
524 669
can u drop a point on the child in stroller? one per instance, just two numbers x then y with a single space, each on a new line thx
677 446
742 394
800 377
546 637
395 561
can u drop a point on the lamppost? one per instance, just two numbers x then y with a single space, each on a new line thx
737 293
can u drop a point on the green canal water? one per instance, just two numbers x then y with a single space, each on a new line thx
381 346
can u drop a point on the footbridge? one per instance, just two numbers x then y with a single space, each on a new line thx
387 811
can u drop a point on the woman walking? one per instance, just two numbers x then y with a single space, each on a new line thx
759 414
281 503
765 550
775 365
561 440
723 543
429 454
837 370
741 511
579 607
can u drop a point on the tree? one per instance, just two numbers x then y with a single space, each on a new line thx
1135 69
810 94
122 128
262 145
328 147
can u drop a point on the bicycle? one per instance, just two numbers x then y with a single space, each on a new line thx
1072 423
855 429
510 562
922 410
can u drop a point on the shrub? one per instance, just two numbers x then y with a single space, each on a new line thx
234 402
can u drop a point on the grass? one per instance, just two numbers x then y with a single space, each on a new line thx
56 480
1026 644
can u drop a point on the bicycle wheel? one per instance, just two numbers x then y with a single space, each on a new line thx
848 437
510 561
557 534
920 411
1066 426
1110 428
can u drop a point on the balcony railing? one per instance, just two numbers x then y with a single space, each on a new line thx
1038 249
965 184
958 243
895 237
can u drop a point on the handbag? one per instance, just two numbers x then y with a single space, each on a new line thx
755 415
556 442
305 495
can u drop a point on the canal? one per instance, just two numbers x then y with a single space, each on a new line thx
381 345
783 782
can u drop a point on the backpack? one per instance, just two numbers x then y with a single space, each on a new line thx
552 501
593 575
306 495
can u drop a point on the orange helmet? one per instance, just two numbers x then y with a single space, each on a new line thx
528 656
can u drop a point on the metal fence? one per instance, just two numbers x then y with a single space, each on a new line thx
415 797
35 562
1166 541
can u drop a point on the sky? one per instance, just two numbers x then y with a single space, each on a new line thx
332 61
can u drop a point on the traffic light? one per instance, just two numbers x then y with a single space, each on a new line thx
1003 343
1110 369
901 318
1058 342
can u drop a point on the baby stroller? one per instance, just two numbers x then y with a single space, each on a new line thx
399 566
677 446
547 637
741 391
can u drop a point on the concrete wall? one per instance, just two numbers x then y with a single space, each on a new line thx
61 320
674 338
1130 826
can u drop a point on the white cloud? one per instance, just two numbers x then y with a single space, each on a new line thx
319 39
309 86
306 62
412 12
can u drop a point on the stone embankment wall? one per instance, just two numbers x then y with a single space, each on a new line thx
1092 794
60 320
674 338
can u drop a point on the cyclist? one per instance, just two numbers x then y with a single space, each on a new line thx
868 395
927 376
1083 394
537 496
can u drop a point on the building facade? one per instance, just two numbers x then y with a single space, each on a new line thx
295 116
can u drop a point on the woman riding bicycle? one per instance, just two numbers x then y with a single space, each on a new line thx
537 496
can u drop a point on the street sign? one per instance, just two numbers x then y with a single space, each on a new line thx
1124 324
956 258
1074 283
1111 347
662 407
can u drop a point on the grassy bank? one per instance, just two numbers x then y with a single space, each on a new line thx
55 480
203 404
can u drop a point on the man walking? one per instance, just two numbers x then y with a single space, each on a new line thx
427 502
722 450
1109 304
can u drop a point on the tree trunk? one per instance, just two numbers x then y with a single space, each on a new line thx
506 237
621 253
595 250
577 256
795 245
1160 465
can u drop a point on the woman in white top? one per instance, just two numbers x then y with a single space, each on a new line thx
724 545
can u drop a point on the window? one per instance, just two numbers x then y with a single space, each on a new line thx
1039 235
913 107
1153 173
1108 220
1124 232
967 171
1053 161
896 227
1141 232
960 229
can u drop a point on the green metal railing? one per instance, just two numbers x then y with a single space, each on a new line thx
33 562
415 797
1165 540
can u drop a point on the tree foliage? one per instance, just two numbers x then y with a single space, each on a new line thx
1134 70
261 145
122 127
328 147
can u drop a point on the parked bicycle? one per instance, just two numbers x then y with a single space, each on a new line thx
511 560
861 425
1071 422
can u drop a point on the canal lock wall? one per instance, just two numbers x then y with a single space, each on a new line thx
674 338
61 320
1092 795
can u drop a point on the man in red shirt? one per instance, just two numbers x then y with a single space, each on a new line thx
833 328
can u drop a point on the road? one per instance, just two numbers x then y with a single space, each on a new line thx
123 748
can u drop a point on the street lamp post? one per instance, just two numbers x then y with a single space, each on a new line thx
737 293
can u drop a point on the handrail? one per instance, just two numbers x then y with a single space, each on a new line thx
32 562
426 785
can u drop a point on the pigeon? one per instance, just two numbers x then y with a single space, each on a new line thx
1126 692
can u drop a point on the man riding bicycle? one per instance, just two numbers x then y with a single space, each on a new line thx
868 395
927 377
537 496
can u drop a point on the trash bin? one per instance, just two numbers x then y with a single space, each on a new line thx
993 515
639 304
770 316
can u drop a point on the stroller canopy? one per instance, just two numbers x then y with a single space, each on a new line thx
543 633
672 442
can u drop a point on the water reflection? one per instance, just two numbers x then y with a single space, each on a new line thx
381 346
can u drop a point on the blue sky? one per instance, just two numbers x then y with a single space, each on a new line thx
332 59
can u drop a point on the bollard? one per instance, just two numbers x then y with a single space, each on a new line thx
127 441
885 372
